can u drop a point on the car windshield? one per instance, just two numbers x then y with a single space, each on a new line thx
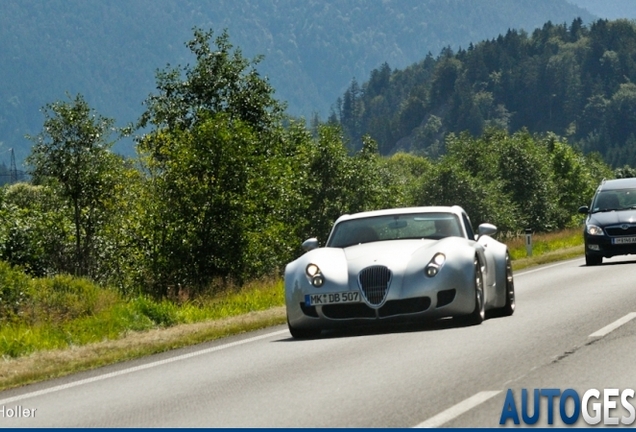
394 227
621 199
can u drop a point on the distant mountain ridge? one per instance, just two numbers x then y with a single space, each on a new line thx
573 80
109 51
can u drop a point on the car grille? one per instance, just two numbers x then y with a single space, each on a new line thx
392 308
614 231
374 282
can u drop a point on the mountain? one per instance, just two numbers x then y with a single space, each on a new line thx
576 80
109 51
608 9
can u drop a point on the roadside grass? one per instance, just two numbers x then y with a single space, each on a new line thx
98 314
63 325
546 247
66 325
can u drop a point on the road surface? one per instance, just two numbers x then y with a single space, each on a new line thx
573 329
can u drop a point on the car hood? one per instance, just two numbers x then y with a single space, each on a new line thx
386 250
613 217
395 254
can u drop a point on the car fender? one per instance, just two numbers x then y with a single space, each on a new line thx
495 252
333 266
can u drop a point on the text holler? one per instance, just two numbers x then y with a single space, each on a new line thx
16 412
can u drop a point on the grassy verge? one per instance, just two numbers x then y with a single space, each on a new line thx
546 248
48 364
64 325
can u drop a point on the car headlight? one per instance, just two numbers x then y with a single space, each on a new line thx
432 268
594 230
315 276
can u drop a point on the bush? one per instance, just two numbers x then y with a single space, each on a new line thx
14 292
162 313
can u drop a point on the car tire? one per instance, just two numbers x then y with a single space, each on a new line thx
593 260
479 313
298 333
509 306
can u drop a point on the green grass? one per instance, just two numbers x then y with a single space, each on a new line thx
64 312
546 247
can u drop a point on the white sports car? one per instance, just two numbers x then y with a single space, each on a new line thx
399 264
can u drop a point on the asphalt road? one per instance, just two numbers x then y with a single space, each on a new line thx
435 375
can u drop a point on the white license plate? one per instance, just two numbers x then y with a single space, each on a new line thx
624 240
332 298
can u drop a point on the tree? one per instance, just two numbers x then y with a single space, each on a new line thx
574 178
222 80
72 154
329 188
199 223
35 230
216 131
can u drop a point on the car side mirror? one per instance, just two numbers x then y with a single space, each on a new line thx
310 244
486 229
584 209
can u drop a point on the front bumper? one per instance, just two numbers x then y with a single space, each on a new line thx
423 304
604 247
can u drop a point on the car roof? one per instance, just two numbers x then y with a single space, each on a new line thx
616 184
404 210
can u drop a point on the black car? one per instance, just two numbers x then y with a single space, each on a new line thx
610 225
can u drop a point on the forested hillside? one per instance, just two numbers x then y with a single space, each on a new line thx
109 51
574 80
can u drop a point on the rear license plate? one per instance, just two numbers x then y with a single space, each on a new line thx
624 240
332 298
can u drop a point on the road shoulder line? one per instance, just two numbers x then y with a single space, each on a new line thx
613 326
139 368
457 410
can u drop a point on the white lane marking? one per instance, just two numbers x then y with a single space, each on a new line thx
457 410
544 268
613 326
139 368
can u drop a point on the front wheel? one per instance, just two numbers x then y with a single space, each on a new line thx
298 333
479 313
509 306
592 260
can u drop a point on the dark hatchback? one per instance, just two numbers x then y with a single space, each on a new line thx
610 225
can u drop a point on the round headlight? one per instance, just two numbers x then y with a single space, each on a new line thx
594 230
312 270
439 259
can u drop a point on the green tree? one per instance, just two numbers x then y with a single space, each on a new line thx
35 230
209 157
72 154
575 179
328 185
199 222
222 80
402 174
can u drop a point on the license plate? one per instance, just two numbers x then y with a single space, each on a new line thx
624 240
332 298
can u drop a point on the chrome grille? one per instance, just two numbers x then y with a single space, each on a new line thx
374 282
